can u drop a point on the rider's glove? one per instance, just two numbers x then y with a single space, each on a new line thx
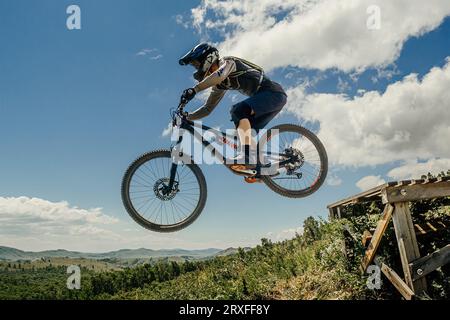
188 94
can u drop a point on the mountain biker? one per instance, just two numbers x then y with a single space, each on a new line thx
266 97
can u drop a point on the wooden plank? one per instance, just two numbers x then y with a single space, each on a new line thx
377 236
441 225
419 229
338 211
366 238
356 198
423 266
331 213
403 183
416 192
429 227
395 279
407 244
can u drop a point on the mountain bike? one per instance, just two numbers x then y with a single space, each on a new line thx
165 190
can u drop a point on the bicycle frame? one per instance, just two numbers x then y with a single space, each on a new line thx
180 120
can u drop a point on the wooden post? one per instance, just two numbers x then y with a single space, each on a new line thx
423 266
395 279
407 244
377 236
331 213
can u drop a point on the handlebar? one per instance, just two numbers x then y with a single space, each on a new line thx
180 108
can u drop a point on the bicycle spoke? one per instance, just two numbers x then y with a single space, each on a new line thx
149 198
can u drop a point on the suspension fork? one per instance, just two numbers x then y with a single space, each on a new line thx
173 171
176 152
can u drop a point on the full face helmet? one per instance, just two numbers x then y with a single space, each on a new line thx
201 57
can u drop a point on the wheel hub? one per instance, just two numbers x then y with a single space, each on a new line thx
297 160
161 189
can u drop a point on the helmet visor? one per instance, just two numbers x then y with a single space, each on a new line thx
195 64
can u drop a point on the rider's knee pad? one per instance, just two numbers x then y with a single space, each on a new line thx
240 111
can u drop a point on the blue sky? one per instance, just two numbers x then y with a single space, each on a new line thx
77 106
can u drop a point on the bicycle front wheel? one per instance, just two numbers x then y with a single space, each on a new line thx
149 202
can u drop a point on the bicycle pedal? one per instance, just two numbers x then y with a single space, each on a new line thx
252 180
243 169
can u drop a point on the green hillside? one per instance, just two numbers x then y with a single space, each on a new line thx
319 264
310 266
7 253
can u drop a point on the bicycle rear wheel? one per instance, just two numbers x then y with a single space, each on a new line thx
149 202
305 175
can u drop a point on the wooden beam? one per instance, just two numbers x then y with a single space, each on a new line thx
429 227
407 244
338 211
416 192
369 195
331 213
377 236
423 266
395 279
366 238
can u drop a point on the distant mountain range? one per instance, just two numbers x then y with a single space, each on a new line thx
7 253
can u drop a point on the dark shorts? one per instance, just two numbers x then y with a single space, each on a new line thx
265 104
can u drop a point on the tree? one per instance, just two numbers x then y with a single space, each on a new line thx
311 230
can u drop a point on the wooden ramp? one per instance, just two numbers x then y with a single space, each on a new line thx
396 197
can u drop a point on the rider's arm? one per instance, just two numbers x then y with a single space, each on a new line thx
217 76
213 100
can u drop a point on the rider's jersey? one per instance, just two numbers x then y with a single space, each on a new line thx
233 74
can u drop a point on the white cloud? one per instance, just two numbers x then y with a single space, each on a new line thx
35 224
158 56
415 169
369 182
179 19
144 52
333 180
319 34
168 130
152 54
39 211
343 85
410 120
284 234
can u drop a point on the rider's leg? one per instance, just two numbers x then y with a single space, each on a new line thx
267 105
241 115
245 133
255 113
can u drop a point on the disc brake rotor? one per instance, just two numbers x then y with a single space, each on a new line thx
161 189
298 160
